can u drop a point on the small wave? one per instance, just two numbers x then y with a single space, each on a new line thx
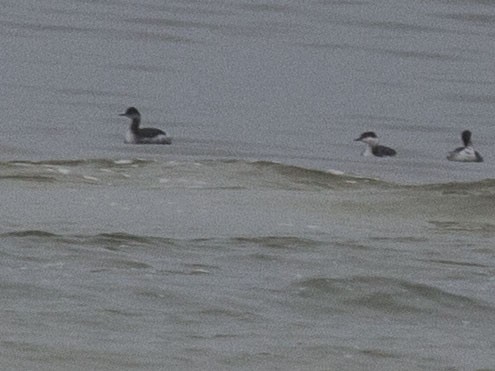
79 162
109 241
278 242
463 226
119 239
315 178
221 174
389 295
455 263
83 171
29 233
207 174
485 186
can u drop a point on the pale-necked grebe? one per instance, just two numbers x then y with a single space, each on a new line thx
136 135
373 148
466 153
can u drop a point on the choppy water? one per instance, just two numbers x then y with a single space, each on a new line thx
260 239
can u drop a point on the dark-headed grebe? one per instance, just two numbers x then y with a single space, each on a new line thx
373 148
136 135
466 153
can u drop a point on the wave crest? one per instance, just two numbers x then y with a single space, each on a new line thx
216 174
385 294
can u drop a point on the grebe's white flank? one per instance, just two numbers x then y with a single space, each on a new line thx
466 153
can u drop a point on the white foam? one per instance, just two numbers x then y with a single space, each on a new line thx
335 172
63 170
199 271
123 162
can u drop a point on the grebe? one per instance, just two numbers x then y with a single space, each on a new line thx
136 135
466 153
373 148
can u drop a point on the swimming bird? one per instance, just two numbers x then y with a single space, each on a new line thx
137 135
373 148
466 153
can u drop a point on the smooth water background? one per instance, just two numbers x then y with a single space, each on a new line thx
260 239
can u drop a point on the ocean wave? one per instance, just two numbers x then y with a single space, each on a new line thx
79 162
463 226
79 171
221 174
460 208
29 233
109 241
387 295
480 187
208 174
314 178
278 242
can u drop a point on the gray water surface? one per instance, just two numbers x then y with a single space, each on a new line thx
261 238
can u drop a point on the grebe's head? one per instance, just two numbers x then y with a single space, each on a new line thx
132 113
466 138
368 137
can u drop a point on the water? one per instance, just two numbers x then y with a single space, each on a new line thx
260 239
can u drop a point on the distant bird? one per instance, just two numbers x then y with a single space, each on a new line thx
466 153
136 135
373 148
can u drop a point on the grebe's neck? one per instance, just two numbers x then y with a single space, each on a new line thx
370 141
135 124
